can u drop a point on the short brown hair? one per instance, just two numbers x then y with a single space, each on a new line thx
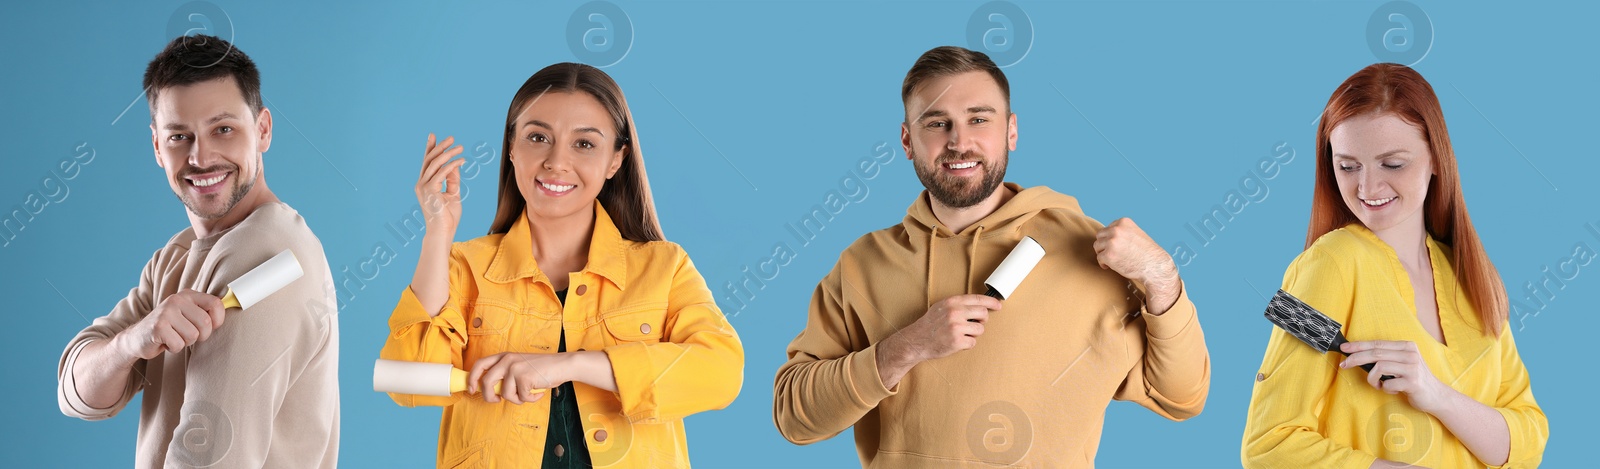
950 60
200 58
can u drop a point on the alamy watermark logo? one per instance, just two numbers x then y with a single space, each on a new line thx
204 434
1001 30
1399 432
1400 32
600 34
608 433
999 432
200 18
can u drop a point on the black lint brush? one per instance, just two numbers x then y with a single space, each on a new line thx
1309 325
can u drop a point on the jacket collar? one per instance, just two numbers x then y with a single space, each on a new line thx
514 258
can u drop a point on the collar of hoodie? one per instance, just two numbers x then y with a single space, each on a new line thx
1007 219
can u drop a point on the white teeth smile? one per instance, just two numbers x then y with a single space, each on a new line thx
208 181
555 188
966 165
1376 202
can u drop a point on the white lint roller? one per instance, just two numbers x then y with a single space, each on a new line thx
264 280
427 379
1014 268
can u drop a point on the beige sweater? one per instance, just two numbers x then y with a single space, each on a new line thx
1034 390
263 391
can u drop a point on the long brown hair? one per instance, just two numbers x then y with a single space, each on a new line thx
1400 91
626 196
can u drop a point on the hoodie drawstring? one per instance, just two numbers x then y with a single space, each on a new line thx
972 257
928 282
972 262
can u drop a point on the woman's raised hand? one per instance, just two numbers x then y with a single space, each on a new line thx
439 185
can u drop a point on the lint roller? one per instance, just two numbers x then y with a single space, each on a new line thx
427 379
264 280
1014 268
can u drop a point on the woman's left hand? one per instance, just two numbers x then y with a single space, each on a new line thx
1401 360
523 377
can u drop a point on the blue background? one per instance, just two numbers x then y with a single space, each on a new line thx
749 113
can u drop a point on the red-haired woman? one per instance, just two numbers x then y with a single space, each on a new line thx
1392 255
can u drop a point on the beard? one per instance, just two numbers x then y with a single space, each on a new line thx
237 188
958 192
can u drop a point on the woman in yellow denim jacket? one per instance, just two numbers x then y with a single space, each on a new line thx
1392 255
573 291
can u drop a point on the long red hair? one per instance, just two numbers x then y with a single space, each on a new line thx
1398 90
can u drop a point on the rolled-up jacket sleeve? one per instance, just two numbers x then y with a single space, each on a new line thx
415 335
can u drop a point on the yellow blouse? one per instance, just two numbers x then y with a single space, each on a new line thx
671 350
1306 412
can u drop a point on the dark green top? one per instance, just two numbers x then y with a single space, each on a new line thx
565 446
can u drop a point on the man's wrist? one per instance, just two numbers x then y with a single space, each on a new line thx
894 354
119 350
1159 295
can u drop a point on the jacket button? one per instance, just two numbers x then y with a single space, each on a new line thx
560 450
477 322
1261 377
582 289
599 435
644 328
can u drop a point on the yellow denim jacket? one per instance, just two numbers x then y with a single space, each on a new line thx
671 350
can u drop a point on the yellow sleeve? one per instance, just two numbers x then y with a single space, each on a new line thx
417 336
1281 429
827 385
698 365
1526 421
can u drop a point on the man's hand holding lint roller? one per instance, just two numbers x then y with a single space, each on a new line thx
188 317
183 319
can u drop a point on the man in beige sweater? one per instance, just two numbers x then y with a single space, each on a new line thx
901 344
222 387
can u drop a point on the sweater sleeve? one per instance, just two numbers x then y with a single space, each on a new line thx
139 302
417 335
1173 377
1282 429
1526 421
827 385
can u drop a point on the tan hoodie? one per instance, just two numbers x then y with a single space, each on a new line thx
1034 390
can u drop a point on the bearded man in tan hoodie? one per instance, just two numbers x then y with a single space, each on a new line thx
901 344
